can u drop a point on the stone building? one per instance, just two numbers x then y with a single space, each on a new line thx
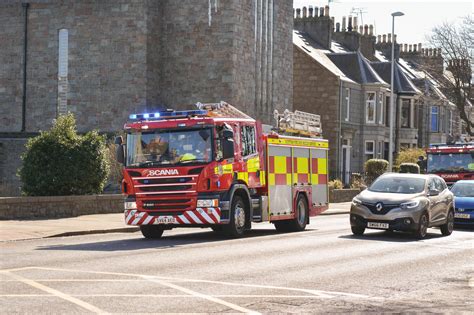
102 60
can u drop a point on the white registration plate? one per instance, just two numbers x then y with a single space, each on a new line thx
462 215
165 220
377 225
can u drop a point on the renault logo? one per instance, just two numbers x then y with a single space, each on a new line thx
379 206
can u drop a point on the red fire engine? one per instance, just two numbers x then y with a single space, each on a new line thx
217 167
452 162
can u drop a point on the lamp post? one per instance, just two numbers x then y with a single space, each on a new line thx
392 116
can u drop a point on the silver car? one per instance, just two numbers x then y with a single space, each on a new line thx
404 202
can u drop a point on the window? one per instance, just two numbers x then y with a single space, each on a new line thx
369 149
370 108
348 102
63 51
406 113
434 118
381 108
387 111
248 140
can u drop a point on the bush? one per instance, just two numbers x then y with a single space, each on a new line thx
357 182
409 168
374 168
335 184
61 162
409 156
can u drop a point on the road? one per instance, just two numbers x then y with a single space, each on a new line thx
322 270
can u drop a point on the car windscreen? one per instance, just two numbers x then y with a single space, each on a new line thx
169 147
398 185
463 189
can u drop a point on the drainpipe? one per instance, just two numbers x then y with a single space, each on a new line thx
339 133
25 52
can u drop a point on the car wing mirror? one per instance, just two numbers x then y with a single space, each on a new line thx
433 192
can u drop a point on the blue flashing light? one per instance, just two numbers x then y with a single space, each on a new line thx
168 114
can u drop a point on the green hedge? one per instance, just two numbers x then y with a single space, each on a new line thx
61 162
409 168
374 168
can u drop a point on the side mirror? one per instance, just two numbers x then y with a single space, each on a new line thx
119 140
120 153
227 148
433 192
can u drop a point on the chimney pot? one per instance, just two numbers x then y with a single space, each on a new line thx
384 38
298 13
430 52
415 46
422 51
326 10
371 30
405 47
361 29
310 10
321 11
419 47
305 12
410 48
354 23
343 29
338 27
389 37
439 51
379 39
349 24
394 38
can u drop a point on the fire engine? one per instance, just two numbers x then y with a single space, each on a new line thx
217 167
452 162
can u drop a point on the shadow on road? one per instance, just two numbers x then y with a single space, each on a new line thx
169 241
389 236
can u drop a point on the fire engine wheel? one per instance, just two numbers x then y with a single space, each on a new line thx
151 231
299 223
236 226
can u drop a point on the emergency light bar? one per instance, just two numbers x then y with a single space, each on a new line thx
168 114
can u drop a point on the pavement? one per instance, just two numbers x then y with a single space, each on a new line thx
16 230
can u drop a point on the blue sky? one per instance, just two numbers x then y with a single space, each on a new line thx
420 16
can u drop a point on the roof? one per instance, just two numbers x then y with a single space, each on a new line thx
356 67
402 84
316 52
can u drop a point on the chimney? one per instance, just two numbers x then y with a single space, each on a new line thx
319 28
386 46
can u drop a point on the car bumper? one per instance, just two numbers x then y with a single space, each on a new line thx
397 219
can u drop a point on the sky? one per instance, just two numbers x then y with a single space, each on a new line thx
419 19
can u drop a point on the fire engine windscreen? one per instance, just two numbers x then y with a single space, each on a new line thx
450 163
170 147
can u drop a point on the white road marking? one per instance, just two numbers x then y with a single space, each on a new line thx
173 295
470 282
54 292
201 295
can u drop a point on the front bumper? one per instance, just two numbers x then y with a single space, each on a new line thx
397 218
199 216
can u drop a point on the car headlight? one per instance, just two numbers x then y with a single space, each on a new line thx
206 203
356 202
130 205
410 205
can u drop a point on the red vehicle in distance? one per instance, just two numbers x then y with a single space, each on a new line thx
452 162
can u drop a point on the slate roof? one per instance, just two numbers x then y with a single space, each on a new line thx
402 84
356 67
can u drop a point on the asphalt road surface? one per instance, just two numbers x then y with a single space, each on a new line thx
322 270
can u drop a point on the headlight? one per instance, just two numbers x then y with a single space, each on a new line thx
410 205
206 203
130 205
356 201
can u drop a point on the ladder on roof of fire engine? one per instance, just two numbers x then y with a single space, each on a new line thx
298 123
222 109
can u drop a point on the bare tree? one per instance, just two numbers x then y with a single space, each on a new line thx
457 46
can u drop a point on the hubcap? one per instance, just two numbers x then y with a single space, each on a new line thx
301 212
423 226
239 216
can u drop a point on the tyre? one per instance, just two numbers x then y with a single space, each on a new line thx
448 227
151 231
358 230
281 226
236 226
422 228
299 223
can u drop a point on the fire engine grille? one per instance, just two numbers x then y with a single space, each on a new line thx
168 204
174 180
165 188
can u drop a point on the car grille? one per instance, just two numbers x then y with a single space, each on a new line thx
385 209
